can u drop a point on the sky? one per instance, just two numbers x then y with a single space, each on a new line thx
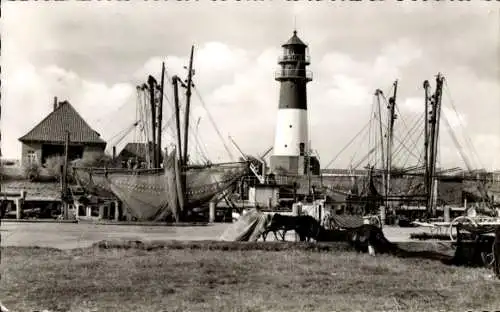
94 54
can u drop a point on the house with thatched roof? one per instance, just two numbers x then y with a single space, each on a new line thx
48 137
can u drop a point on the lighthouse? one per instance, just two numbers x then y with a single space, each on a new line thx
291 142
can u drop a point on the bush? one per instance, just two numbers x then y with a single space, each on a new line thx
95 159
53 166
32 171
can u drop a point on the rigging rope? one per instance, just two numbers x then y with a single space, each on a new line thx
457 144
198 146
372 118
350 142
467 138
355 153
113 112
400 116
408 155
365 157
137 113
213 123
400 142
411 131
193 134
123 133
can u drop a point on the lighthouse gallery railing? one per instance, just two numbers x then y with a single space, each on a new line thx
293 73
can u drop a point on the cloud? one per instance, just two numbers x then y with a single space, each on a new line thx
96 58
488 147
29 91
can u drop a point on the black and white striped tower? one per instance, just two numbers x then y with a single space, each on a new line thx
291 135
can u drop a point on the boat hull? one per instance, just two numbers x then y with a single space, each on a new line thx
153 195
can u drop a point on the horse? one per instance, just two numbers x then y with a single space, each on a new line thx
368 237
365 238
305 226
278 223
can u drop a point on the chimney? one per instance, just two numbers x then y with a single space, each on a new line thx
55 102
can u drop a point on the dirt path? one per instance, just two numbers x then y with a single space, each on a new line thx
79 235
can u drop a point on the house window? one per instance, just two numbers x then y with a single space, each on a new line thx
31 156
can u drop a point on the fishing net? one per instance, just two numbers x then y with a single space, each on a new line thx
248 228
146 195
153 195
335 221
149 196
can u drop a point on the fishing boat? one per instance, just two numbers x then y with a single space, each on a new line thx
169 187
403 176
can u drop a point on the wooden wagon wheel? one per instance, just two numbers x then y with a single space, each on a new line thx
375 220
456 221
488 258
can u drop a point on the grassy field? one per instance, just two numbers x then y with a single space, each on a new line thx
201 276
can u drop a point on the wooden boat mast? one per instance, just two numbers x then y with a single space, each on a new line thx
175 81
434 136
157 145
188 103
151 88
390 140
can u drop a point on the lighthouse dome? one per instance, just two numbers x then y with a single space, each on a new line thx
294 40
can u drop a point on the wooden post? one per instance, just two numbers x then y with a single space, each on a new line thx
19 207
117 211
383 214
446 212
296 211
320 212
294 192
211 212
